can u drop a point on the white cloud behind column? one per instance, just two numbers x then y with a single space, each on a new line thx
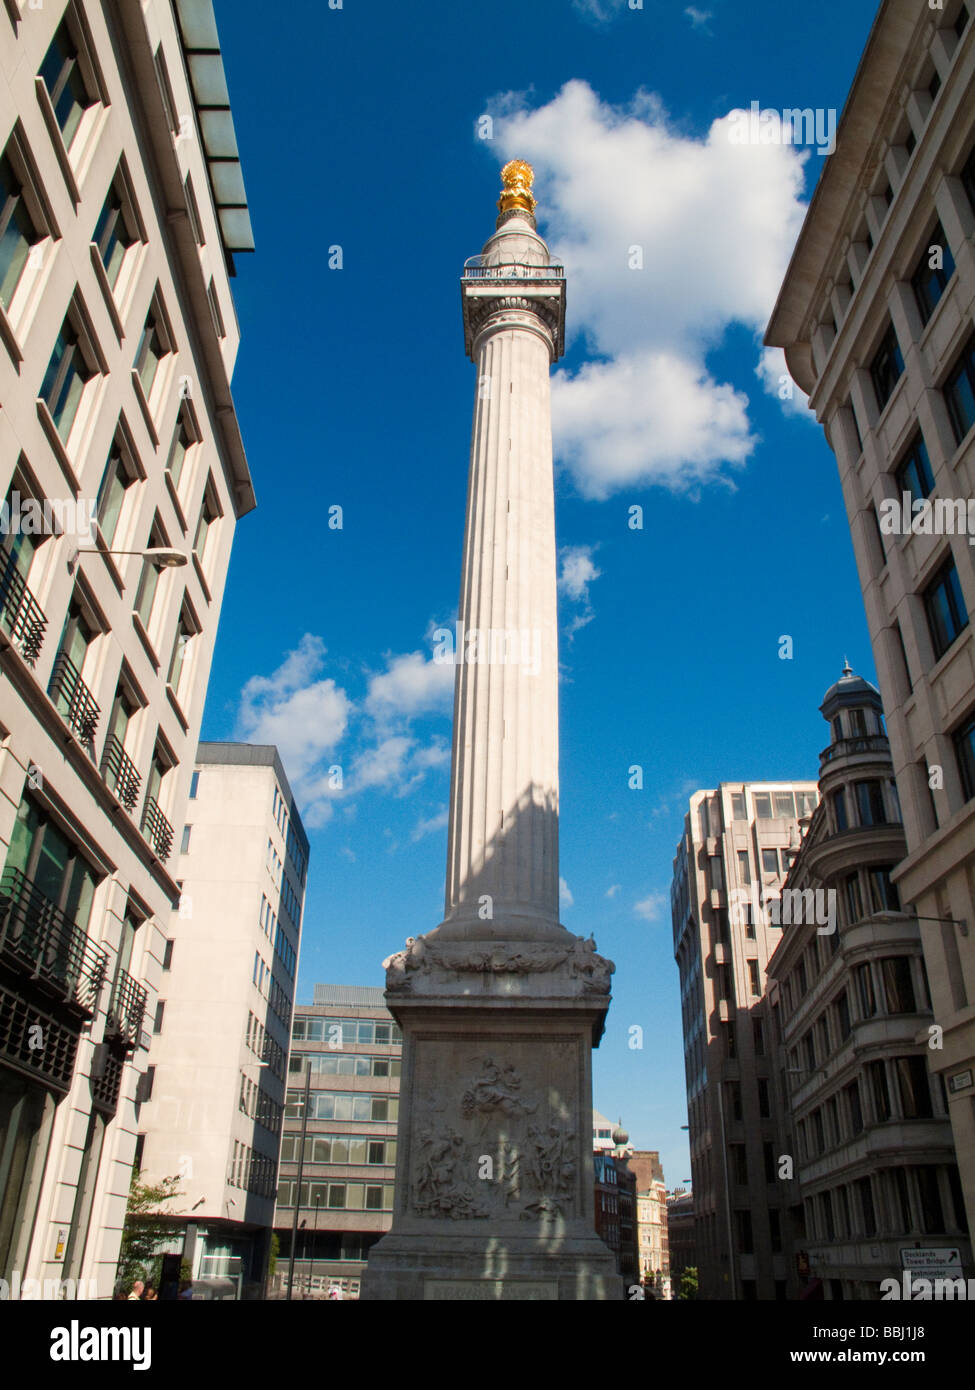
713 222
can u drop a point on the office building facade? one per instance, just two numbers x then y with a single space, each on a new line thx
122 475
738 844
851 1027
877 319
213 1097
350 1047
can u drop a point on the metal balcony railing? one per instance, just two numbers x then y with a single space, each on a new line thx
511 270
127 1008
20 614
37 936
120 773
73 698
157 829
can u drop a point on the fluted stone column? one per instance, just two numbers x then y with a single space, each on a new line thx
503 828
500 1006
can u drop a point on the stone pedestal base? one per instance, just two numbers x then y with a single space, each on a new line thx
494 1173
444 1268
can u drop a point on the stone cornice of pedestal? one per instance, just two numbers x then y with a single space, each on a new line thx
536 304
566 969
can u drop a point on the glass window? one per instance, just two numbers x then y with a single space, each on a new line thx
116 480
886 367
208 515
843 1014
964 741
895 972
883 894
65 84
738 811
183 441
877 1078
785 806
865 1192
945 608
959 391
930 280
65 379
744 866
914 475
854 903
868 1003
912 1084
17 232
929 1196
838 802
112 236
870 803
853 1107
152 349
763 805
770 861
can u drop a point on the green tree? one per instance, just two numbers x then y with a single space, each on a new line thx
272 1263
688 1284
145 1229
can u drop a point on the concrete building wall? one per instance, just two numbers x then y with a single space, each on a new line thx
66 1209
901 182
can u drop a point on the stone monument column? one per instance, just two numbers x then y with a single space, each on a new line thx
500 1006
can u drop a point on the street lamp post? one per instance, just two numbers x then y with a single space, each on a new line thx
301 1169
318 1203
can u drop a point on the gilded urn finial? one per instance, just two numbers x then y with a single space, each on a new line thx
516 192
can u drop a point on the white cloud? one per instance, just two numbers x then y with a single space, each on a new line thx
613 890
598 11
699 18
774 375
430 826
577 572
410 685
650 907
711 222
308 718
565 897
303 716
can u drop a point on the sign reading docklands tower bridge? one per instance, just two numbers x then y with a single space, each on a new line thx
499 1005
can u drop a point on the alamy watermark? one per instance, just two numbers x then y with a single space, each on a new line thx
52 517
794 907
920 516
791 126
50 1290
492 646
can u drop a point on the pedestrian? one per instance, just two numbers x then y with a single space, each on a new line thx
137 1291
185 1290
150 1295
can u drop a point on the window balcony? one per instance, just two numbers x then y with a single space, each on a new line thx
849 747
127 1009
36 937
120 773
157 829
21 616
73 698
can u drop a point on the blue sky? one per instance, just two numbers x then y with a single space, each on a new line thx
360 128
